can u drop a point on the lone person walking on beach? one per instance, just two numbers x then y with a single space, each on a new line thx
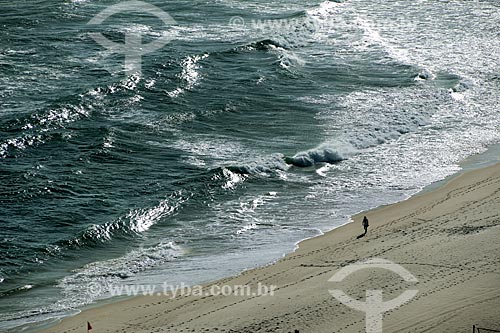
365 224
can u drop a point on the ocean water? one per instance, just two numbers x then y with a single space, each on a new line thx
259 124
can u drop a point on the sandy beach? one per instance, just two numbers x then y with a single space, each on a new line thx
448 239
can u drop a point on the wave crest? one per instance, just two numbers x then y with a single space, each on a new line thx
314 156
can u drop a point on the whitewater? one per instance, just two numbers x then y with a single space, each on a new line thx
257 125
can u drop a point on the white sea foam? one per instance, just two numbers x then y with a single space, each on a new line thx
326 9
232 179
396 139
190 74
246 228
322 154
41 124
92 281
143 219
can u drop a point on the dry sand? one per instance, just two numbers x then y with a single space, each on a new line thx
448 239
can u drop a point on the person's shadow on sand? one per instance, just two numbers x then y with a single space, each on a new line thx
360 236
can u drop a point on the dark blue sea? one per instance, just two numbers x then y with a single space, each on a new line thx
256 124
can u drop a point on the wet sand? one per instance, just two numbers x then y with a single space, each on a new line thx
449 239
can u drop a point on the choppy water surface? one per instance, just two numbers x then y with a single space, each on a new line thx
239 138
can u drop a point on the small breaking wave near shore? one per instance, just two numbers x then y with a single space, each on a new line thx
235 142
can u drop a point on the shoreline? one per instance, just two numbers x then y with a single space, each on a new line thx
146 306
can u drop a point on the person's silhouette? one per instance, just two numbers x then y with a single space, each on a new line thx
365 224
